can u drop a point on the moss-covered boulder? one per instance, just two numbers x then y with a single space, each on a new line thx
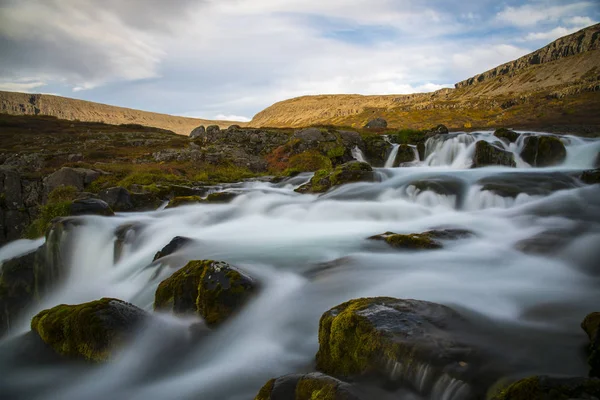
506 135
395 340
591 325
376 149
323 180
184 201
92 331
221 197
422 241
488 154
311 386
211 289
176 244
90 207
543 151
550 388
591 177
405 155
377 123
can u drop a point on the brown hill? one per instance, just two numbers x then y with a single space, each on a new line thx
558 85
71 109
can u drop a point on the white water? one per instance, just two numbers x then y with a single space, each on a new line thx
358 154
534 302
389 163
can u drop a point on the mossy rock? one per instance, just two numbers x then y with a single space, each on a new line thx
591 325
550 388
90 207
174 245
211 289
184 201
422 241
395 339
376 149
323 180
405 155
487 154
311 386
543 151
507 135
92 331
591 177
221 197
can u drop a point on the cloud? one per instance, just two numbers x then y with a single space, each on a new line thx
27 87
532 14
550 35
224 117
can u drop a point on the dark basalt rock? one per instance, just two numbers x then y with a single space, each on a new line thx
591 325
591 177
487 154
422 241
376 150
550 388
507 135
198 132
405 155
377 123
90 207
543 151
438 130
444 185
511 185
323 180
174 245
221 197
212 129
308 387
92 331
118 198
213 290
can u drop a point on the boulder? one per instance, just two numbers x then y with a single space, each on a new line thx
212 129
405 155
590 325
396 340
376 149
90 207
307 387
550 388
487 154
184 201
198 132
211 289
377 123
422 241
590 177
145 201
10 189
351 139
174 245
506 135
543 151
118 198
314 135
533 184
92 331
323 180
438 130
221 197
76 177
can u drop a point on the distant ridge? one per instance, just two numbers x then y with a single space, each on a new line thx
71 109
557 84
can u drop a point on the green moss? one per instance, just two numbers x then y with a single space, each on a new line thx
223 173
220 197
62 193
184 200
148 178
416 241
336 152
309 161
265 391
47 213
315 389
543 387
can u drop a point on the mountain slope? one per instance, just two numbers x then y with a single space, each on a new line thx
71 109
558 84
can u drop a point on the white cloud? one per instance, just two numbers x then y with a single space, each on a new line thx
550 35
580 21
27 87
228 117
530 14
483 58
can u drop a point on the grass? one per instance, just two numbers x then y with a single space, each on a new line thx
58 205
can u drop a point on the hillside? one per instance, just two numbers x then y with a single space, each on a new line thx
556 85
72 109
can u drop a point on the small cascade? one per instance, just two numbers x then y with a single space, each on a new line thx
358 154
415 152
455 151
389 163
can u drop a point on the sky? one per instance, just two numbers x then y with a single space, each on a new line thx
229 59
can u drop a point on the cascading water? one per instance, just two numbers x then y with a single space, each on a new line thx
389 163
358 154
529 303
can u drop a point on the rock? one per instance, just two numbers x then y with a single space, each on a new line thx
377 123
533 184
543 151
234 128
487 154
351 139
323 180
550 388
92 331
174 245
145 201
395 340
10 187
75 157
184 201
507 135
76 177
117 198
221 197
313 135
405 155
90 207
310 386
212 289
438 130
422 241
213 129
591 177
376 149
198 132
590 325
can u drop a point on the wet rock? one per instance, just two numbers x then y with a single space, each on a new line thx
184 201
198 132
221 197
507 135
438 130
550 388
422 241
511 185
376 149
212 289
543 151
396 340
549 242
323 180
487 154
351 139
591 176
12 196
590 325
93 331
117 198
444 185
405 155
90 207
308 387
124 235
377 123
174 245
76 177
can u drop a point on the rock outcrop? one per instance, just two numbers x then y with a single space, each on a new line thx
308 387
323 180
487 154
543 151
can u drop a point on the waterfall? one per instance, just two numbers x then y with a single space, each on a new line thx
415 152
389 163
358 154
446 150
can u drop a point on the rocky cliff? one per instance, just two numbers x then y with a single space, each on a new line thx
557 85
72 109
